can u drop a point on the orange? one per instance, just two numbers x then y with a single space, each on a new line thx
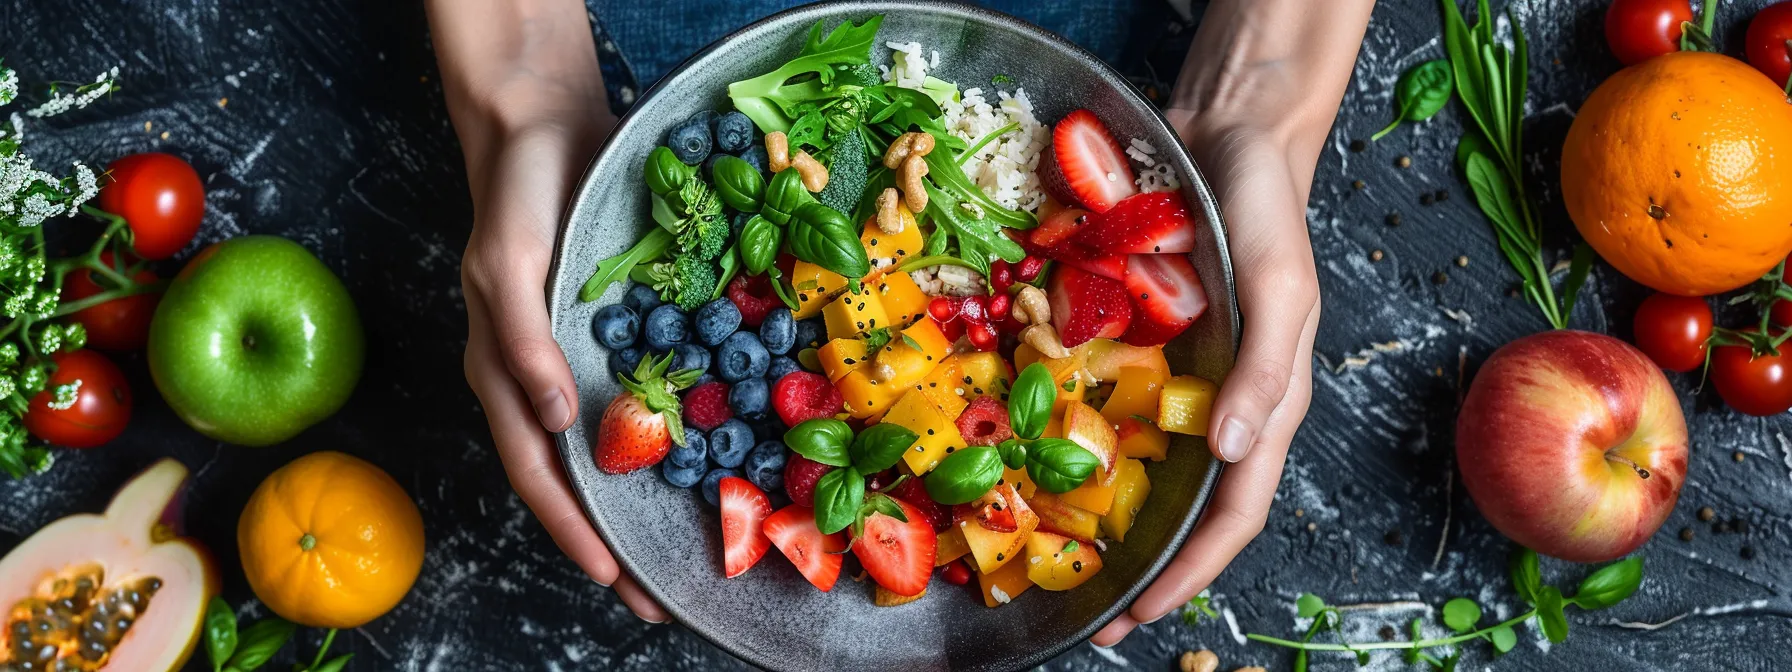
1678 170
330 541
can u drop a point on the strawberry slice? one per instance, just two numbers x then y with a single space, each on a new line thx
1086 306
744 509
1144 224
1112 266
818 556
1167 296
641 423
911 490
1086 165
898 555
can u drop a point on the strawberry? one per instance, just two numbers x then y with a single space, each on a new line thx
818 556
1112 266
1144 224
642 422
706 406
800 476
912 490
984 422
744 509
801 395
1086 165
898 555
1086 306
1057 223
754 296
1167 295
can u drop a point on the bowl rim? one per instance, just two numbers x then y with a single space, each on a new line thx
1208 203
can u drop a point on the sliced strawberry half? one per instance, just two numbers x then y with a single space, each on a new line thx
1167 296
744 509
912 491
818 556
1086 306
898 555
1144 224
1086 165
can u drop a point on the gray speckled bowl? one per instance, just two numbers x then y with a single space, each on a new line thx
668 538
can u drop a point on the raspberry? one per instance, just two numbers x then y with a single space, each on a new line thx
706 406
912 491
754 297
801 395
800 475
984 423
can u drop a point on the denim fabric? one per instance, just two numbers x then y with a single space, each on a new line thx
639 42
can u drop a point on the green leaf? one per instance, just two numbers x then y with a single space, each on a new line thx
1060 465
887 505
838 496
1550 615
614 269
876 338
1422 90
738 183
334 664
759 241
1527 578
1309 605
663 172
880 447
964 475
1610 585
1503 638
220 633
1461 614
807 130
1030 401
1694 38
1472 142
1071 546
260 641
824 440
1465 61
1014 453
1418 634
911 342
767 99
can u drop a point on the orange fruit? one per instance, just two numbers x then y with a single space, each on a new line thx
1678 170
330 541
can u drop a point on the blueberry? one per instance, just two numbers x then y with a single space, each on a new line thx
616 326
624 360
705 117
750 398
780 367
690 141
811 334
739 223
703 380
690 356
734 132
778 331
716 320
756 157
641 299
729 443
712 484
666 326
769 429
742 356
765 465
683 476
694 452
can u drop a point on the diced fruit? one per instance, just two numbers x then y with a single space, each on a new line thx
1063 370
1054 428
866 398
1020 480
993 549
800 476
1136 392
985 373
1069 253
1085 306
956 573
892 248
951 547
1095 434
991 511
984 422
1142 440
884 597
801 396
1057 517
940 383
911 354
1091 496
935 432
706 406
903 299
855 313
1057 562
814 287
744 510
898 555
912 491
754 296
1131 488
1086 165
1029 268
1107 356
842 356
1167 295
818 556
1154 223
1186 405
1057 223
1004 584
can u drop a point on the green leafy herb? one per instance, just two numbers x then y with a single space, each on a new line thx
1001 79
783 196
759 242
335 665
663 172
964 475
738 183
1070 385
824 440
220 633
838 497
1420 93
911 342
808 130
821 235
770 98
1199 608
1610 585
1461 614
1030 401
1013 453
1059 465
880 447
1070 546
876 338
259 642
614 269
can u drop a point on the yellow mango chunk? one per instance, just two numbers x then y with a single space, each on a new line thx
855 313
1020 480
842 356
887 250
936 434
866 398
1092 496
903 299
1063 369
985 374
1186 405
1057 517
940 383
1136 392
911 354
951 546
1057 562
1004 584
1131 487
1142 440
814 287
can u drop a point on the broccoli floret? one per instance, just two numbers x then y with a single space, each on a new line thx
863 74
704 237
848 169
693 280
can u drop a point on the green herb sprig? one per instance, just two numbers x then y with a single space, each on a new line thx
840 497
1421 92
1055 465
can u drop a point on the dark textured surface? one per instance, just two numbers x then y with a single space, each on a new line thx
333 134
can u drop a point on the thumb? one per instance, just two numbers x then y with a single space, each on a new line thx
519 323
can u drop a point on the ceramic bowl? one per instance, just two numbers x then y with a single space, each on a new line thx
669 538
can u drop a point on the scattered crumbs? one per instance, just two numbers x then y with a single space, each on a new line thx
164 135
1561 265
1748 552
1312 527
1358 185
1403 162
1438 371
1425 199
1737 456
1393 219
1462 261
1706 514
422 79
147 125
1686 534
1389 346
223 101
1298 513
1441 196
1459 316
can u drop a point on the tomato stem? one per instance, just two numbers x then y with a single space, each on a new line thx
133 289
307 542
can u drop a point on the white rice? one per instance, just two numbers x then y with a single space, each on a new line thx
1152 176
1006 169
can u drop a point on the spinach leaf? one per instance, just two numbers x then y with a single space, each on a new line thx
1420 93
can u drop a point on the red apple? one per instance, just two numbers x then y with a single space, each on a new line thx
1572 444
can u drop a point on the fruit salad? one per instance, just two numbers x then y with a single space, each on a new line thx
886 317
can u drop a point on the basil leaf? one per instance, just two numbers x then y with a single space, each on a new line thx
259 642
964 475
1549 614
220 633
822 236
663 172
823 440
1422 90
759 241
838 496
1059 465
1030 401
783 195
887 505
1610 585
1461 614
334 664
738 183
1527 579
1014 453
880 447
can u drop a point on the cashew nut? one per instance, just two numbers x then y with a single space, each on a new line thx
1200 661
815 175
1031 306
1044 339
777 151
889 220
908 177
913 143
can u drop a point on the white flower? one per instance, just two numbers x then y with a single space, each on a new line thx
60 102
88 185
37 208
9 85
66 395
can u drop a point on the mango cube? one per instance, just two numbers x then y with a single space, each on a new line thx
1186 405
1107 357
992 549
814 287
950 546
939 386
903 299
1131 487
911 354
1057 562
1020 480
1142 440
1092 496
842 356
1004 584
1057 517
855 313
936 433
985 374
887 250
866 398
1136 392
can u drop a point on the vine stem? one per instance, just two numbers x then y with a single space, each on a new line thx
1387 646
1708 16
73 307
319 660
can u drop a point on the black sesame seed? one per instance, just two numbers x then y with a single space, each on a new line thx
1076 566
930 431
850 361
1000 557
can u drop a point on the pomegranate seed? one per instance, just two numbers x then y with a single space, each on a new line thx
1028 269
975 310
1000 276
999 304
951 328
982 337
956 573
941 309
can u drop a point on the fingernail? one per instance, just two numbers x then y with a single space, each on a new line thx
649 620
554 411
1099 646
1235 439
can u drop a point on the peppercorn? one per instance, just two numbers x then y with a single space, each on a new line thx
1462 261
1706 514
1739 525
1393 219
1686 534
1375 255
1442 195
1358 145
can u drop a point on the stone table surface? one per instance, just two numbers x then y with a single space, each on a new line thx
323 121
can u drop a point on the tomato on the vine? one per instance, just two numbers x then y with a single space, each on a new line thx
101 408
120 324
1781 314
1768 33
1753 384
1638 30
160 196
1672 330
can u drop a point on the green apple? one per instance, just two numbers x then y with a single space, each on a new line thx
255 341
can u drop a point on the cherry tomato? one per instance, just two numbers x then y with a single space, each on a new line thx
1756 385
1767 36
102 405
119 324
1672 330
1782 313
162 199
1638 30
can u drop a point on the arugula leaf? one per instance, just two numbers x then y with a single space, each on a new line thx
651 246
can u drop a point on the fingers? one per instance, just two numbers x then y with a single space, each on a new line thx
637 600
1115 631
